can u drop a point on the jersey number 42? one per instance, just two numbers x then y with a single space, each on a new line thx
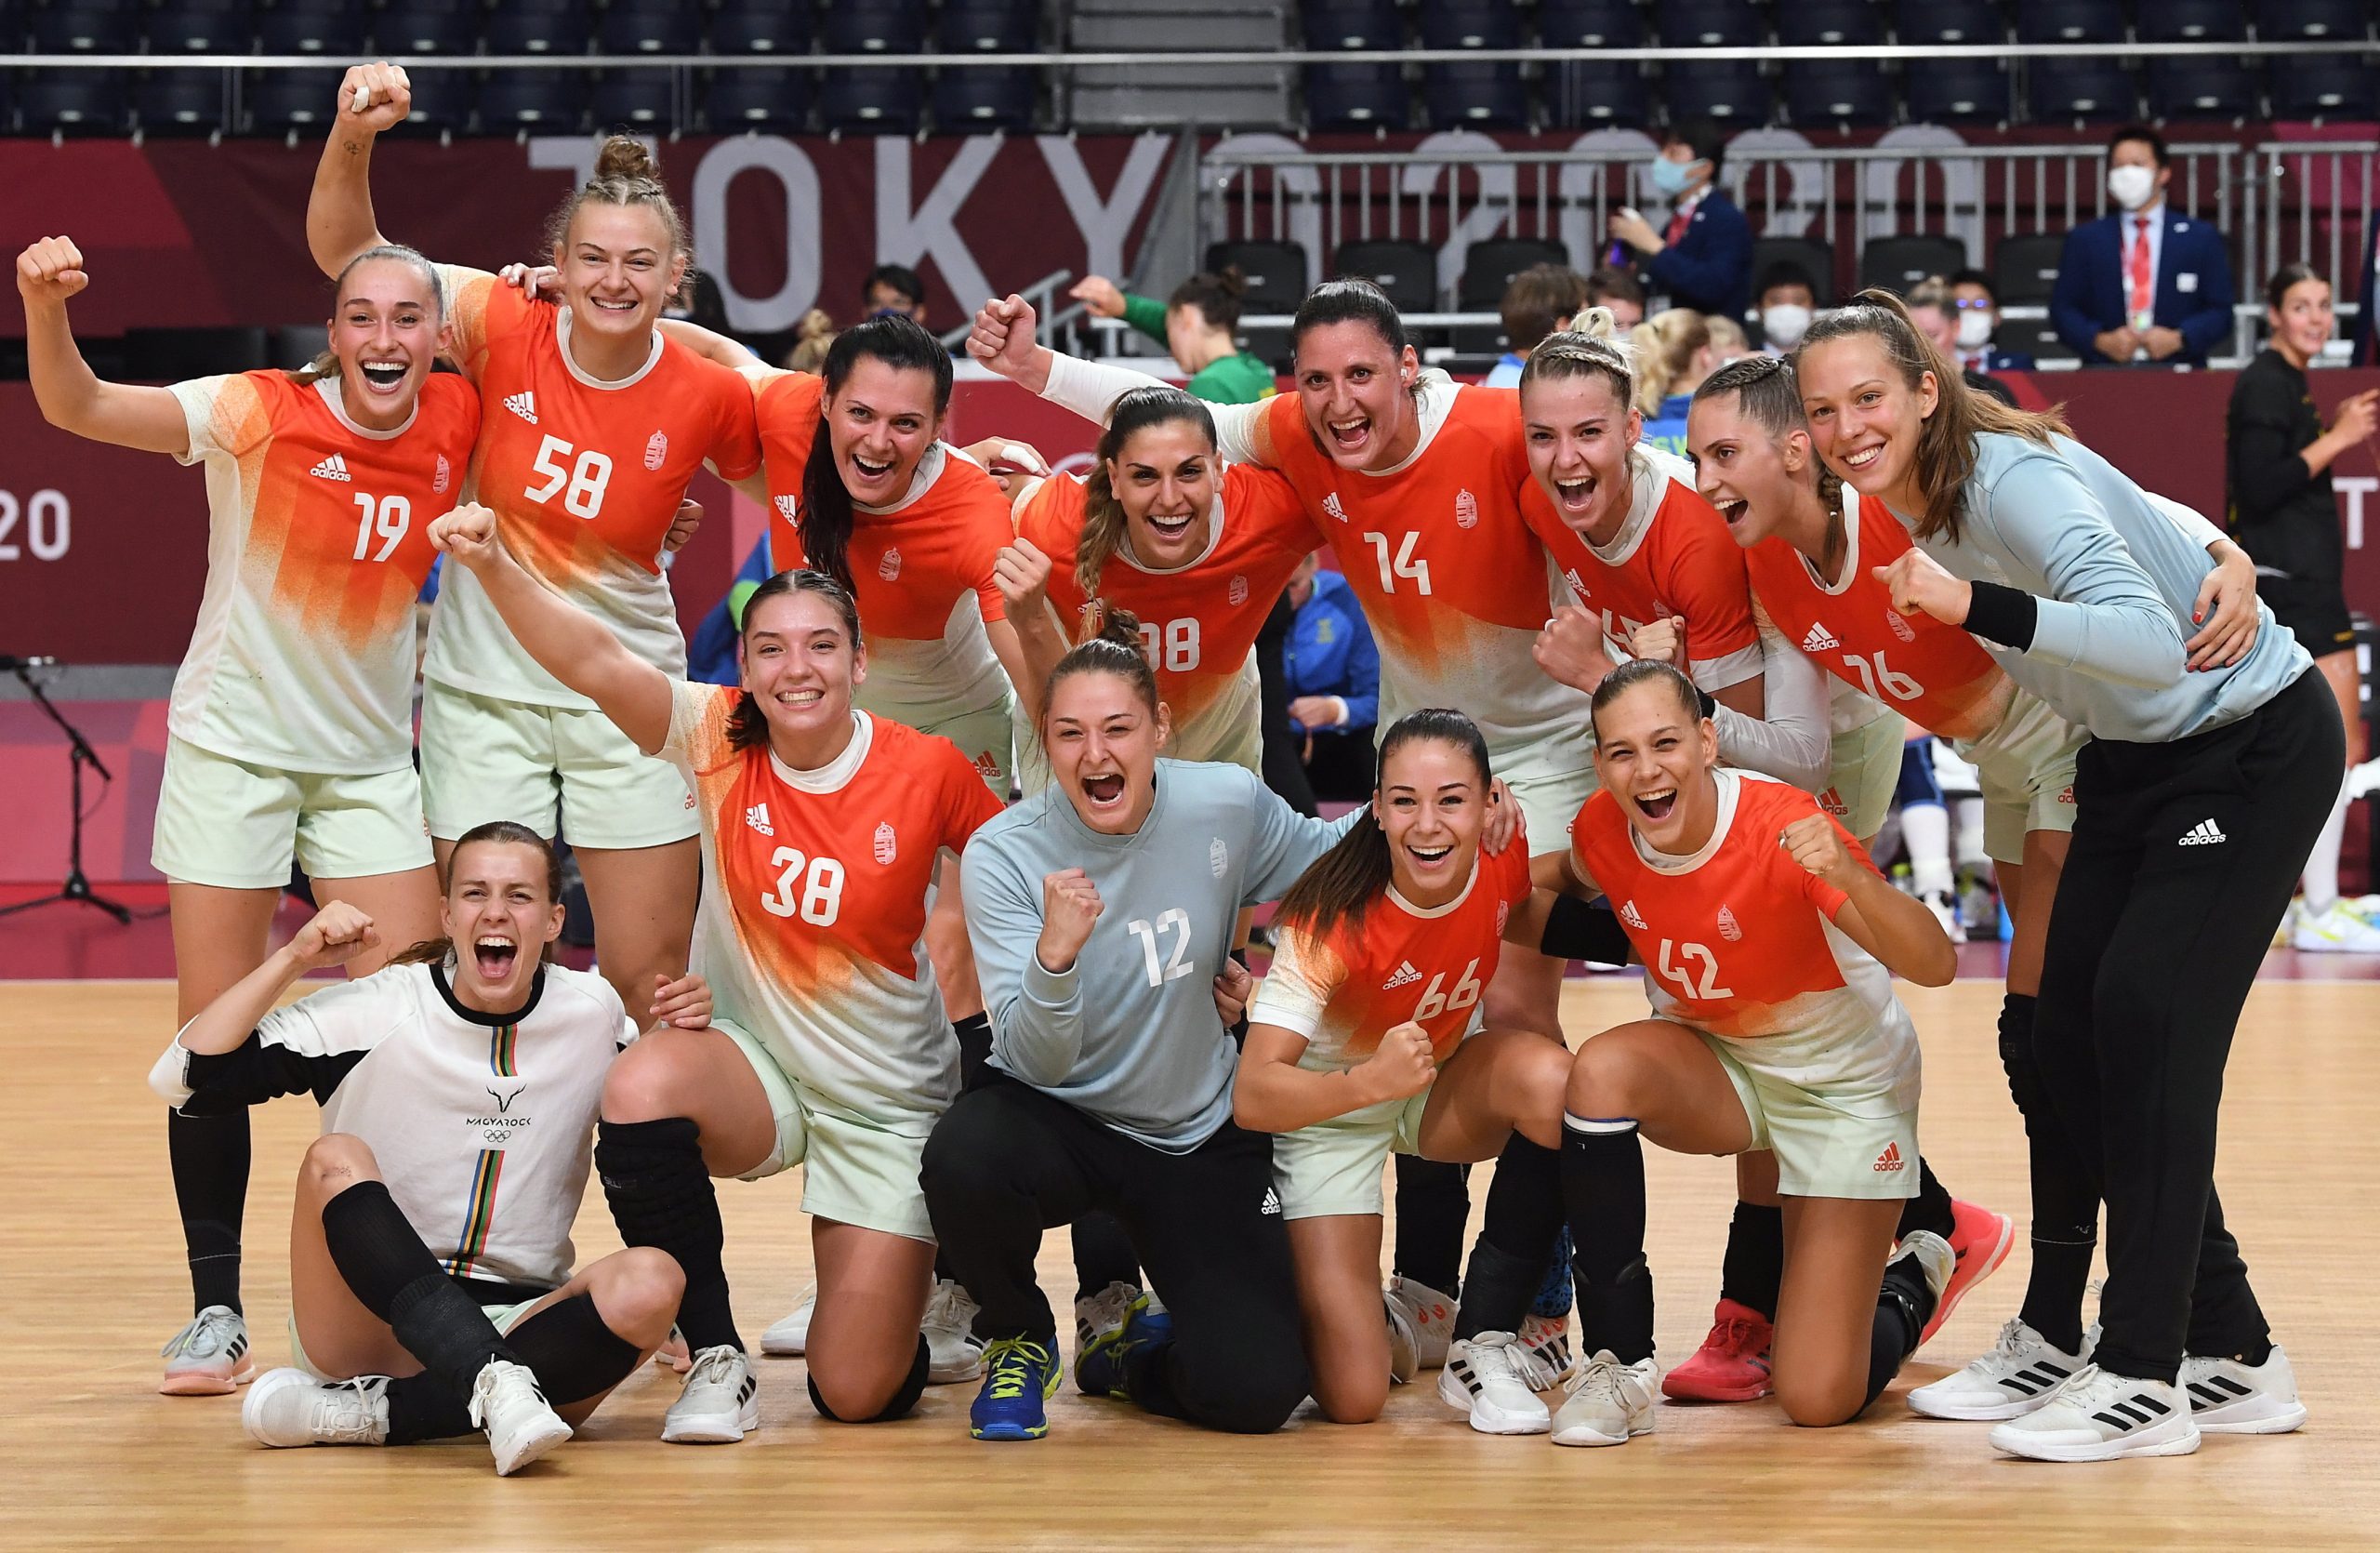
1693 970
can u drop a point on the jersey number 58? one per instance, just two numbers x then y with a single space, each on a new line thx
581 485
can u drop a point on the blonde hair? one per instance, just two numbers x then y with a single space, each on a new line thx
625 174
1589 348
1725 333
1666 345
813 338
326 365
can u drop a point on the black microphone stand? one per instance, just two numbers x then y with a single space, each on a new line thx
78 754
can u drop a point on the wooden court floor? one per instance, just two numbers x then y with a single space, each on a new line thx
94 1282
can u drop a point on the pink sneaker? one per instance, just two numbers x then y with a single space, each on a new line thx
1981 1239
1732 1363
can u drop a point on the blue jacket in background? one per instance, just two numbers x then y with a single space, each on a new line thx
2193 285
710 656
1330 652
1665 428
1709 269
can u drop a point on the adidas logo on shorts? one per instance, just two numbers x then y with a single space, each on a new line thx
1405 976
332 468
1821 640
757 816
523 404
2204 833
1272 1203
1890 1159
1628 914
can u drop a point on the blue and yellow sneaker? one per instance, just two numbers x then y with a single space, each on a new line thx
1111 1325
1020 1376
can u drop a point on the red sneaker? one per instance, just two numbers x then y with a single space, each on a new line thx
1732 1363
1981 1239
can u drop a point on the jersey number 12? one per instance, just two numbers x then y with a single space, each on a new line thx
1175 965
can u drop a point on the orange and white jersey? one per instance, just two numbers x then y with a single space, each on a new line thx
584 476
814 908
317 546
1740 941
1346 988
1936 675
921 568
1198 620
1671 557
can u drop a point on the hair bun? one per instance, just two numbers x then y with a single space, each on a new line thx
625 156
1120 626
1596 323
1232 281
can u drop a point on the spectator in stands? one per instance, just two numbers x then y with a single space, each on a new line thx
1729 340
1789 299
1198 324
2365 352
713 653
2142 284
1543 298
894 290
1703 257
1934 309
1333 673
1617 289
1673 352
1978 321
813 338
699 300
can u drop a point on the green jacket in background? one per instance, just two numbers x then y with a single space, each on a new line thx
1236 380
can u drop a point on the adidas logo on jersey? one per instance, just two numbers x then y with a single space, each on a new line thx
1272 1203
524 405
1405 976
657 450
1727 928
1821 640
1577 584
890 567
887 845
332 468
1467 510
1628 914
2066 794
757 816
2204 833
789 508
1890 1159
1330 505
1900 625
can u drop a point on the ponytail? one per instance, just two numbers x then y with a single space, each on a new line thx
1104 522
826 514
1343 883
326 365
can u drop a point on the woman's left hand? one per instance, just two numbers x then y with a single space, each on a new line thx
1233 989
683 1004
1920 586
2226 611
682 527
1503 816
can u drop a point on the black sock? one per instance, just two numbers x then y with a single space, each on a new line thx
661 1194
2065 1201
1930 1209
394 1276
974 1034
913 1386
1603 1193
1433 1204
573 1353
1104 1254
421 1407
1523 1214
209 1155
1755 1267
1903 1307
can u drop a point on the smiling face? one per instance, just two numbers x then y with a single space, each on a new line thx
1431 804
800 667
1357 394
1751 477
500 916
1864 415
2301 326
880 421
1102 738
386 332
1578 432
1655 755
618 268
1165 477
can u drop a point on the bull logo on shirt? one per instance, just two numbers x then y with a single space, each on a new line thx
890 567
657 450
1237 591
887 848
1900 627
504 1102
438 479
1467 510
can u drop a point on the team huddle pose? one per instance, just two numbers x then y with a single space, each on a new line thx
1682 690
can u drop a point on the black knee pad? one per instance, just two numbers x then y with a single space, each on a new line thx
2016 1058
912 1387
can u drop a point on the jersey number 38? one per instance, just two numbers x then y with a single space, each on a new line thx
810 888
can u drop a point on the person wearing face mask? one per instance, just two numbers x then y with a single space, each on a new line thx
1935 311
1789 299
1978 321
1196 324
2142 283
1701 256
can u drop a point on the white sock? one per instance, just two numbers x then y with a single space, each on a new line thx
2322 863
1926 831
1969 850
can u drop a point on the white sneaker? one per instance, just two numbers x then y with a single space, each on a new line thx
1945 907
953 1354
2017 1376
1097 1315
1432 1315
2097 1415
1482 1377
2228 1396
290 1408
1608 1402
721 1403
209 1357
1546 1357
508 1407
1404 1342
2336 931
789 1337
1934 1258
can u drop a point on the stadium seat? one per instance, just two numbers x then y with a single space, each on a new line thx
771 97
872 102
178 101
2192 21
1490 265
2279 20
1584 94
200 27
334 29
1357 95
1901 263
539 101
1927 22
632 27
1847 92
874 27
2323 86
1590 24
2024 267
2096 90
428 27
637 100
84 27
73 102
989 26
280 101
1406 269
1470 24
1813 255
1274 272
151 355
1958 91
441 100
2036 338
1807 22
1732 92
1710 25
1488 95
540 27
2201 86
762 26
986 98
2069 21
1353 24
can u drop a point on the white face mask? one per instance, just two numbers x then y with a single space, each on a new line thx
1784 325
1975 329
2131 185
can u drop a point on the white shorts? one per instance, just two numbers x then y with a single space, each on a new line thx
1333 1167
1550 796
238 826
503 1318
558 770
852 1172
1831 1140
2026 769
1864 771
987 736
